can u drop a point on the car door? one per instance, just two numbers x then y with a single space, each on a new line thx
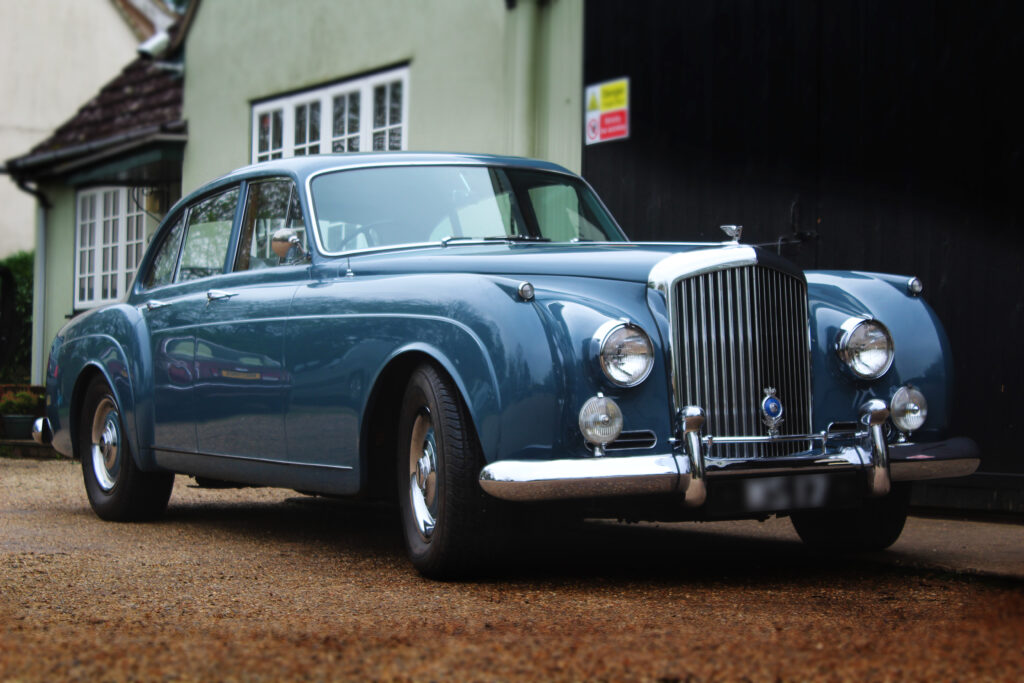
241 387
171 311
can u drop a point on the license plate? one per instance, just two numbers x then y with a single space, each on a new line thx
765 494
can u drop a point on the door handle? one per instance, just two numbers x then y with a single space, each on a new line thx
153 304
219 294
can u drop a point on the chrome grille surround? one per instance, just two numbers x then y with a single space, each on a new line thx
738 327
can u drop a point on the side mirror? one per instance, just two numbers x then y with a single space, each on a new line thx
287 245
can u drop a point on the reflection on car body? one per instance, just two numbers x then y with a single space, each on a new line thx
475 337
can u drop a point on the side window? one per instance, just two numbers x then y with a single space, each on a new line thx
273 233
207 237
161 271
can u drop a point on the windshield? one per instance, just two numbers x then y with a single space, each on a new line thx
378 207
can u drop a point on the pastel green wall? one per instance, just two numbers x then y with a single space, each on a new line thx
54 293
482 78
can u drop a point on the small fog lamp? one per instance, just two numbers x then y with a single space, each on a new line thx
600 420
909 409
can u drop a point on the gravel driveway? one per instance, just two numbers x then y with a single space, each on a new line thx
263 584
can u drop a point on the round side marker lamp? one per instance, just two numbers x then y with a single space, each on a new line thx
909 409
600 420
866 347
915 287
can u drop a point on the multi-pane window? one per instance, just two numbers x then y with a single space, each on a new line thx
269 135
86 262
307 128
345 122
110 239
387 116
369 113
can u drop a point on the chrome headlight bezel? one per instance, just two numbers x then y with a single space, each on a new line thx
613 336
850 347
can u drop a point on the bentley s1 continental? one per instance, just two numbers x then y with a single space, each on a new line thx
473 335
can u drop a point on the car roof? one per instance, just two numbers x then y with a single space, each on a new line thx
300 167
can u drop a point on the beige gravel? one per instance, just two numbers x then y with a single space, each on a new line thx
260 584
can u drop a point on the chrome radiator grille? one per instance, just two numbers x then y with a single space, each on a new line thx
741 331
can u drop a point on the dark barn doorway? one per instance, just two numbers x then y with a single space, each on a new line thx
853 135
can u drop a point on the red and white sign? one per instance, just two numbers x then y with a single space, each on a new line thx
607 115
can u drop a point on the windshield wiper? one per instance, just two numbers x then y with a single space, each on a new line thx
494 238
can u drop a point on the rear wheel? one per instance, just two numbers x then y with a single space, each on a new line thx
874 525
438 462
118 490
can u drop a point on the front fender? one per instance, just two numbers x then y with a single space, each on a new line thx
922 355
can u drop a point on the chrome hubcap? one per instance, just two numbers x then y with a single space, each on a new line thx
106 441
423 474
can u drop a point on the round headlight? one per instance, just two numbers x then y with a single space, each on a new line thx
866 347
909 409
627 355
600 420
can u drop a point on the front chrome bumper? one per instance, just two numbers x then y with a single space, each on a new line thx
686 470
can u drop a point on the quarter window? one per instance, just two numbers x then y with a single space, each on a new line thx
110 237
367 113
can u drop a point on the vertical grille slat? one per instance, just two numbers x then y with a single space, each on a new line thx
742 330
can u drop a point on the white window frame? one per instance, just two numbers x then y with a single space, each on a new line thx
365 86
103 216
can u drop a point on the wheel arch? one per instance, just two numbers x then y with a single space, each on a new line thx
85 377
379 429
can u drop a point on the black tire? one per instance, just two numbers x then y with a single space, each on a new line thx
874 525
438 464
118 490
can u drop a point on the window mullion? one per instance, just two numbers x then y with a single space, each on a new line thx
78 249
122 249
366 117
288 134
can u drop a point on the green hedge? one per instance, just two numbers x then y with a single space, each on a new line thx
18 366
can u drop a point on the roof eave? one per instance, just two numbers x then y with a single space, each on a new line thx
60 161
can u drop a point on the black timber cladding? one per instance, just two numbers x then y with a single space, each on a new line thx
881 133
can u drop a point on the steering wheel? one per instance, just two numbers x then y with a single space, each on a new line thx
368 231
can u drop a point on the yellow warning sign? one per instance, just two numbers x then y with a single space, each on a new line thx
615 94
607 114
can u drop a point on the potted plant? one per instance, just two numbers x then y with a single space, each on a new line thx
18 410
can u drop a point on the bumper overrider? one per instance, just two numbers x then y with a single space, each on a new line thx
685 471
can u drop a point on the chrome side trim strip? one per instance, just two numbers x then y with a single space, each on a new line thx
247 458
534 480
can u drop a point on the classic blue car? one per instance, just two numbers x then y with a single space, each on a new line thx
476 337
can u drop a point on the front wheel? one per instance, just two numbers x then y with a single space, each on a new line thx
874 525
118 490
438 463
